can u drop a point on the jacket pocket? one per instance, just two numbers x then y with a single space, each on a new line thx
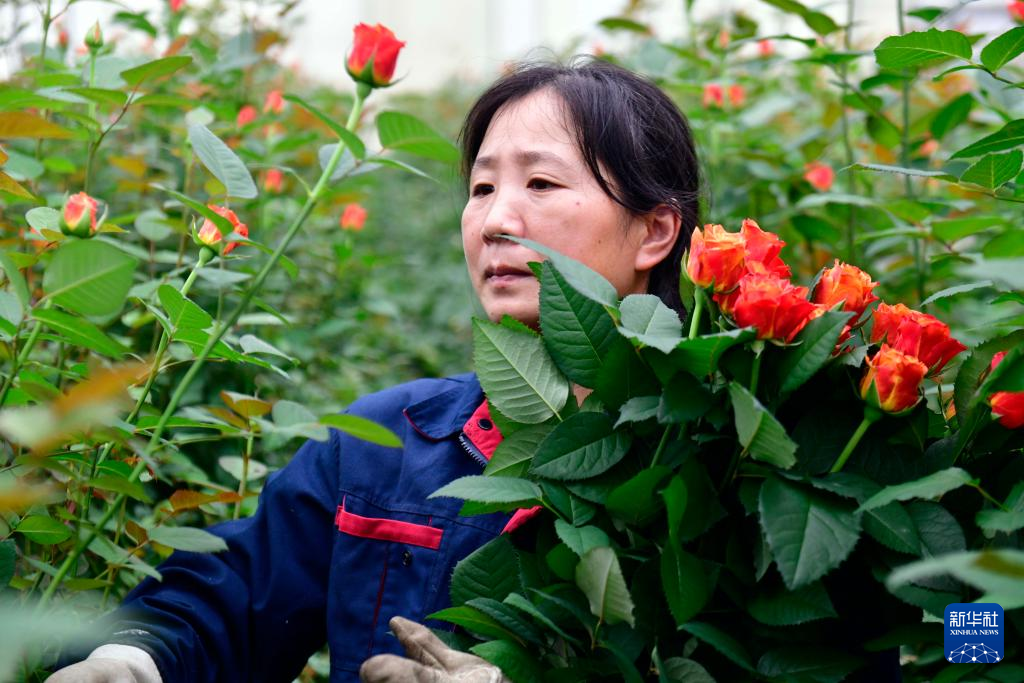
383 529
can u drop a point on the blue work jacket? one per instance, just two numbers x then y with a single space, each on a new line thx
343 539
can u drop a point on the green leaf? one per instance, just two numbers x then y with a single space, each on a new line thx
581 540
638 409
682 670
788 608
583 446
922 47
160 67
799 663
675 495
519 602
599 577
634 501
721 641
223 163
951 116
8 555
901 170
473 620
956 289
518 664
1009 136
999 574
817 341
648 320
1003 48
686 584
818 22
407 133
187 538
491 490
577 331
892 526
80 332
1005 521
581 278
523 629
994 170
43 530
952 229
89 277
490 571
116 98
809 533
118 484
699 356
931 486
759 432
517 374
624 24
15 279
351 140
182 313
364 429
513 455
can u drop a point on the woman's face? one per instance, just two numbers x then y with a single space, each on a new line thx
530 180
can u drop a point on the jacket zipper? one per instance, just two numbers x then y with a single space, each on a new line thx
473 451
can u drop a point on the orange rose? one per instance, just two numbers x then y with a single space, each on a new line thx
353 218
762 251
773 306
274 180
374 55
737 95
274 102
819 175
896 379
1008 406
713 95
846 283
918 334
210 235
246 115
1016 10
716 258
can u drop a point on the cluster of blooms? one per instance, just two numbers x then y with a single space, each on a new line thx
715 95
751 284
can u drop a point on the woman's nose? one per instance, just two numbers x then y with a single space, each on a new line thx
503 216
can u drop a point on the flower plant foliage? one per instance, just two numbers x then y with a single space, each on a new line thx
205 258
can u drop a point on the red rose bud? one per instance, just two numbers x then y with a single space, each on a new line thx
918 334
819 175
353 217
176 5
78 217
773 306
762 251
716 258
765 48
274 102
1016 10
737 95
246 115
713 95
1008 406
94 38
209 234
896 379
848 284
273 181
374 54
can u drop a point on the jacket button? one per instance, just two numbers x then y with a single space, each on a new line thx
485 424
406 558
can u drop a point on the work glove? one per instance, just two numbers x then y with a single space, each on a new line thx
428 660
111 664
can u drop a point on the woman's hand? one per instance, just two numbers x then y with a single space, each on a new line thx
95 671
428 661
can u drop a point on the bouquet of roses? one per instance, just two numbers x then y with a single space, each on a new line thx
786 492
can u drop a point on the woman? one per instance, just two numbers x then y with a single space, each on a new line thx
590 160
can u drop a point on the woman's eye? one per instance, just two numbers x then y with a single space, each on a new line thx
481 189
540 184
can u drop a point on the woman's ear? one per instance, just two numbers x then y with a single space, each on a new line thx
661 229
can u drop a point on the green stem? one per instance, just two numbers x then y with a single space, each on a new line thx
22 356
755 369
698 308
870 415
243 483
908 186
217 333
661 445
987 496
92 115
47 20
851 222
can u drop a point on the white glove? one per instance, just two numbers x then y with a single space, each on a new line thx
429 661
111 664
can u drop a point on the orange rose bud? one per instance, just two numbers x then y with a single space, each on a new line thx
94 38
762 251
274 102
716 258
1016 10
374 54
176 5
737 95
273 181
896 379
713 95
78 217
773 306
353 217
819 175
246 115
210 235
918 334
765 48
1008 406
846 283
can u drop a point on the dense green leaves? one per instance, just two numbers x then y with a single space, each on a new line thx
491 571
89 277
685 582
513 455
600 578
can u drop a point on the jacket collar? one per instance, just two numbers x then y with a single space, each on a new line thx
444 413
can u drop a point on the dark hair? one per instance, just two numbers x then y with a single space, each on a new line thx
624 123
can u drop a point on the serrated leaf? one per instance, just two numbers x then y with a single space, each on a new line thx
721 641
817 341
922 47
491 490
473 620
517 374
182 313
581 540
699 356
957 289
809 533
648 320
587 282
994 170
513 455
686 584
43 530
638 409
930 486
187 538
507 616
157 68
892 526
364 429
583 446
80 332
787 608
599 576
1009 136
223 163
490 571
1003 48
397 130
759 432
89 277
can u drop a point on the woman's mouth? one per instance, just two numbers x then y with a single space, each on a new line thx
505 275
